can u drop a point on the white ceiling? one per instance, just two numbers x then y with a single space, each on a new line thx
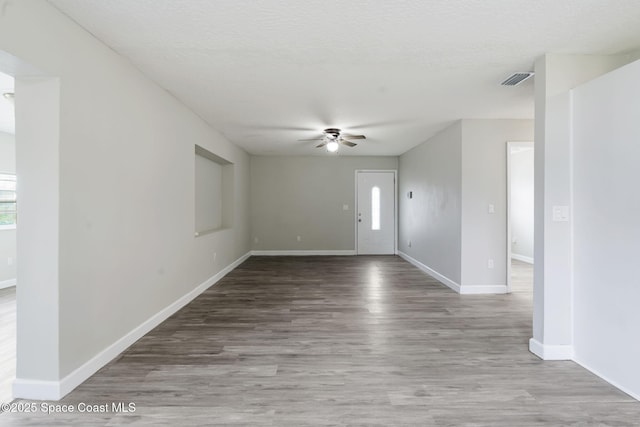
267 73
7 115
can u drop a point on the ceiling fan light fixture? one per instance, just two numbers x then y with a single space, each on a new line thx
333 146
332 138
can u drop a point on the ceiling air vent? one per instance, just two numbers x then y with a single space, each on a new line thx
516 78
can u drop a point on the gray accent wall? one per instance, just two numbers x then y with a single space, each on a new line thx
430 221
453 178
305 196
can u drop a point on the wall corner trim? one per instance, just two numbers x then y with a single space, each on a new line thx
431 272
304 253
550 352
56 390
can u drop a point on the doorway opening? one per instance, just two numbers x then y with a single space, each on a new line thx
520 220
376 212
8 225
33 362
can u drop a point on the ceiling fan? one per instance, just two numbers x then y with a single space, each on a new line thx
332 138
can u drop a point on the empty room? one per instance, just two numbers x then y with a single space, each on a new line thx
290 213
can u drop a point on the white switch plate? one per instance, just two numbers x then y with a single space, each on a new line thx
490 263
345 207
492 208
560 213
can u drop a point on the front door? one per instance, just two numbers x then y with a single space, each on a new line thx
376 222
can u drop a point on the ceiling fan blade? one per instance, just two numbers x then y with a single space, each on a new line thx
348 143
348 135
321 145
320 138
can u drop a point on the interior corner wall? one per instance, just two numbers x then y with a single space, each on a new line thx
556 75
126 194
304 196
7 237
606 231
484 183
430 221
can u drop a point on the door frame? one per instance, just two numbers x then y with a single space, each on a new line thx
510 146
395 206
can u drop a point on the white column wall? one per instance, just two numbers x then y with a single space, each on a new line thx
556 75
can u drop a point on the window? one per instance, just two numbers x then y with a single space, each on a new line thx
375 208
8 204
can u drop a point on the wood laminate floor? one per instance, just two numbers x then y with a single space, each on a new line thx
333 341
521 278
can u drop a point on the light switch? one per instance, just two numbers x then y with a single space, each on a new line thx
345 207
492 208
560 213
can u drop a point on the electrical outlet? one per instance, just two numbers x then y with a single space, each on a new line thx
298 238
409 244
10 261
215 255
490 263
255 240
345 207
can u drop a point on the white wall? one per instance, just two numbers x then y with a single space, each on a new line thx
606 132
521 183
484 182
7 237
123 174
304 196
556 75
431 220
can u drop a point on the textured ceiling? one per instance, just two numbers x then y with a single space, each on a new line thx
7 118
267 73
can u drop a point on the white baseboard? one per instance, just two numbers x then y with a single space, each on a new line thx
522 258
7 283
304 253
55 390
483 289
550 352
36 389
439 277
633 394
